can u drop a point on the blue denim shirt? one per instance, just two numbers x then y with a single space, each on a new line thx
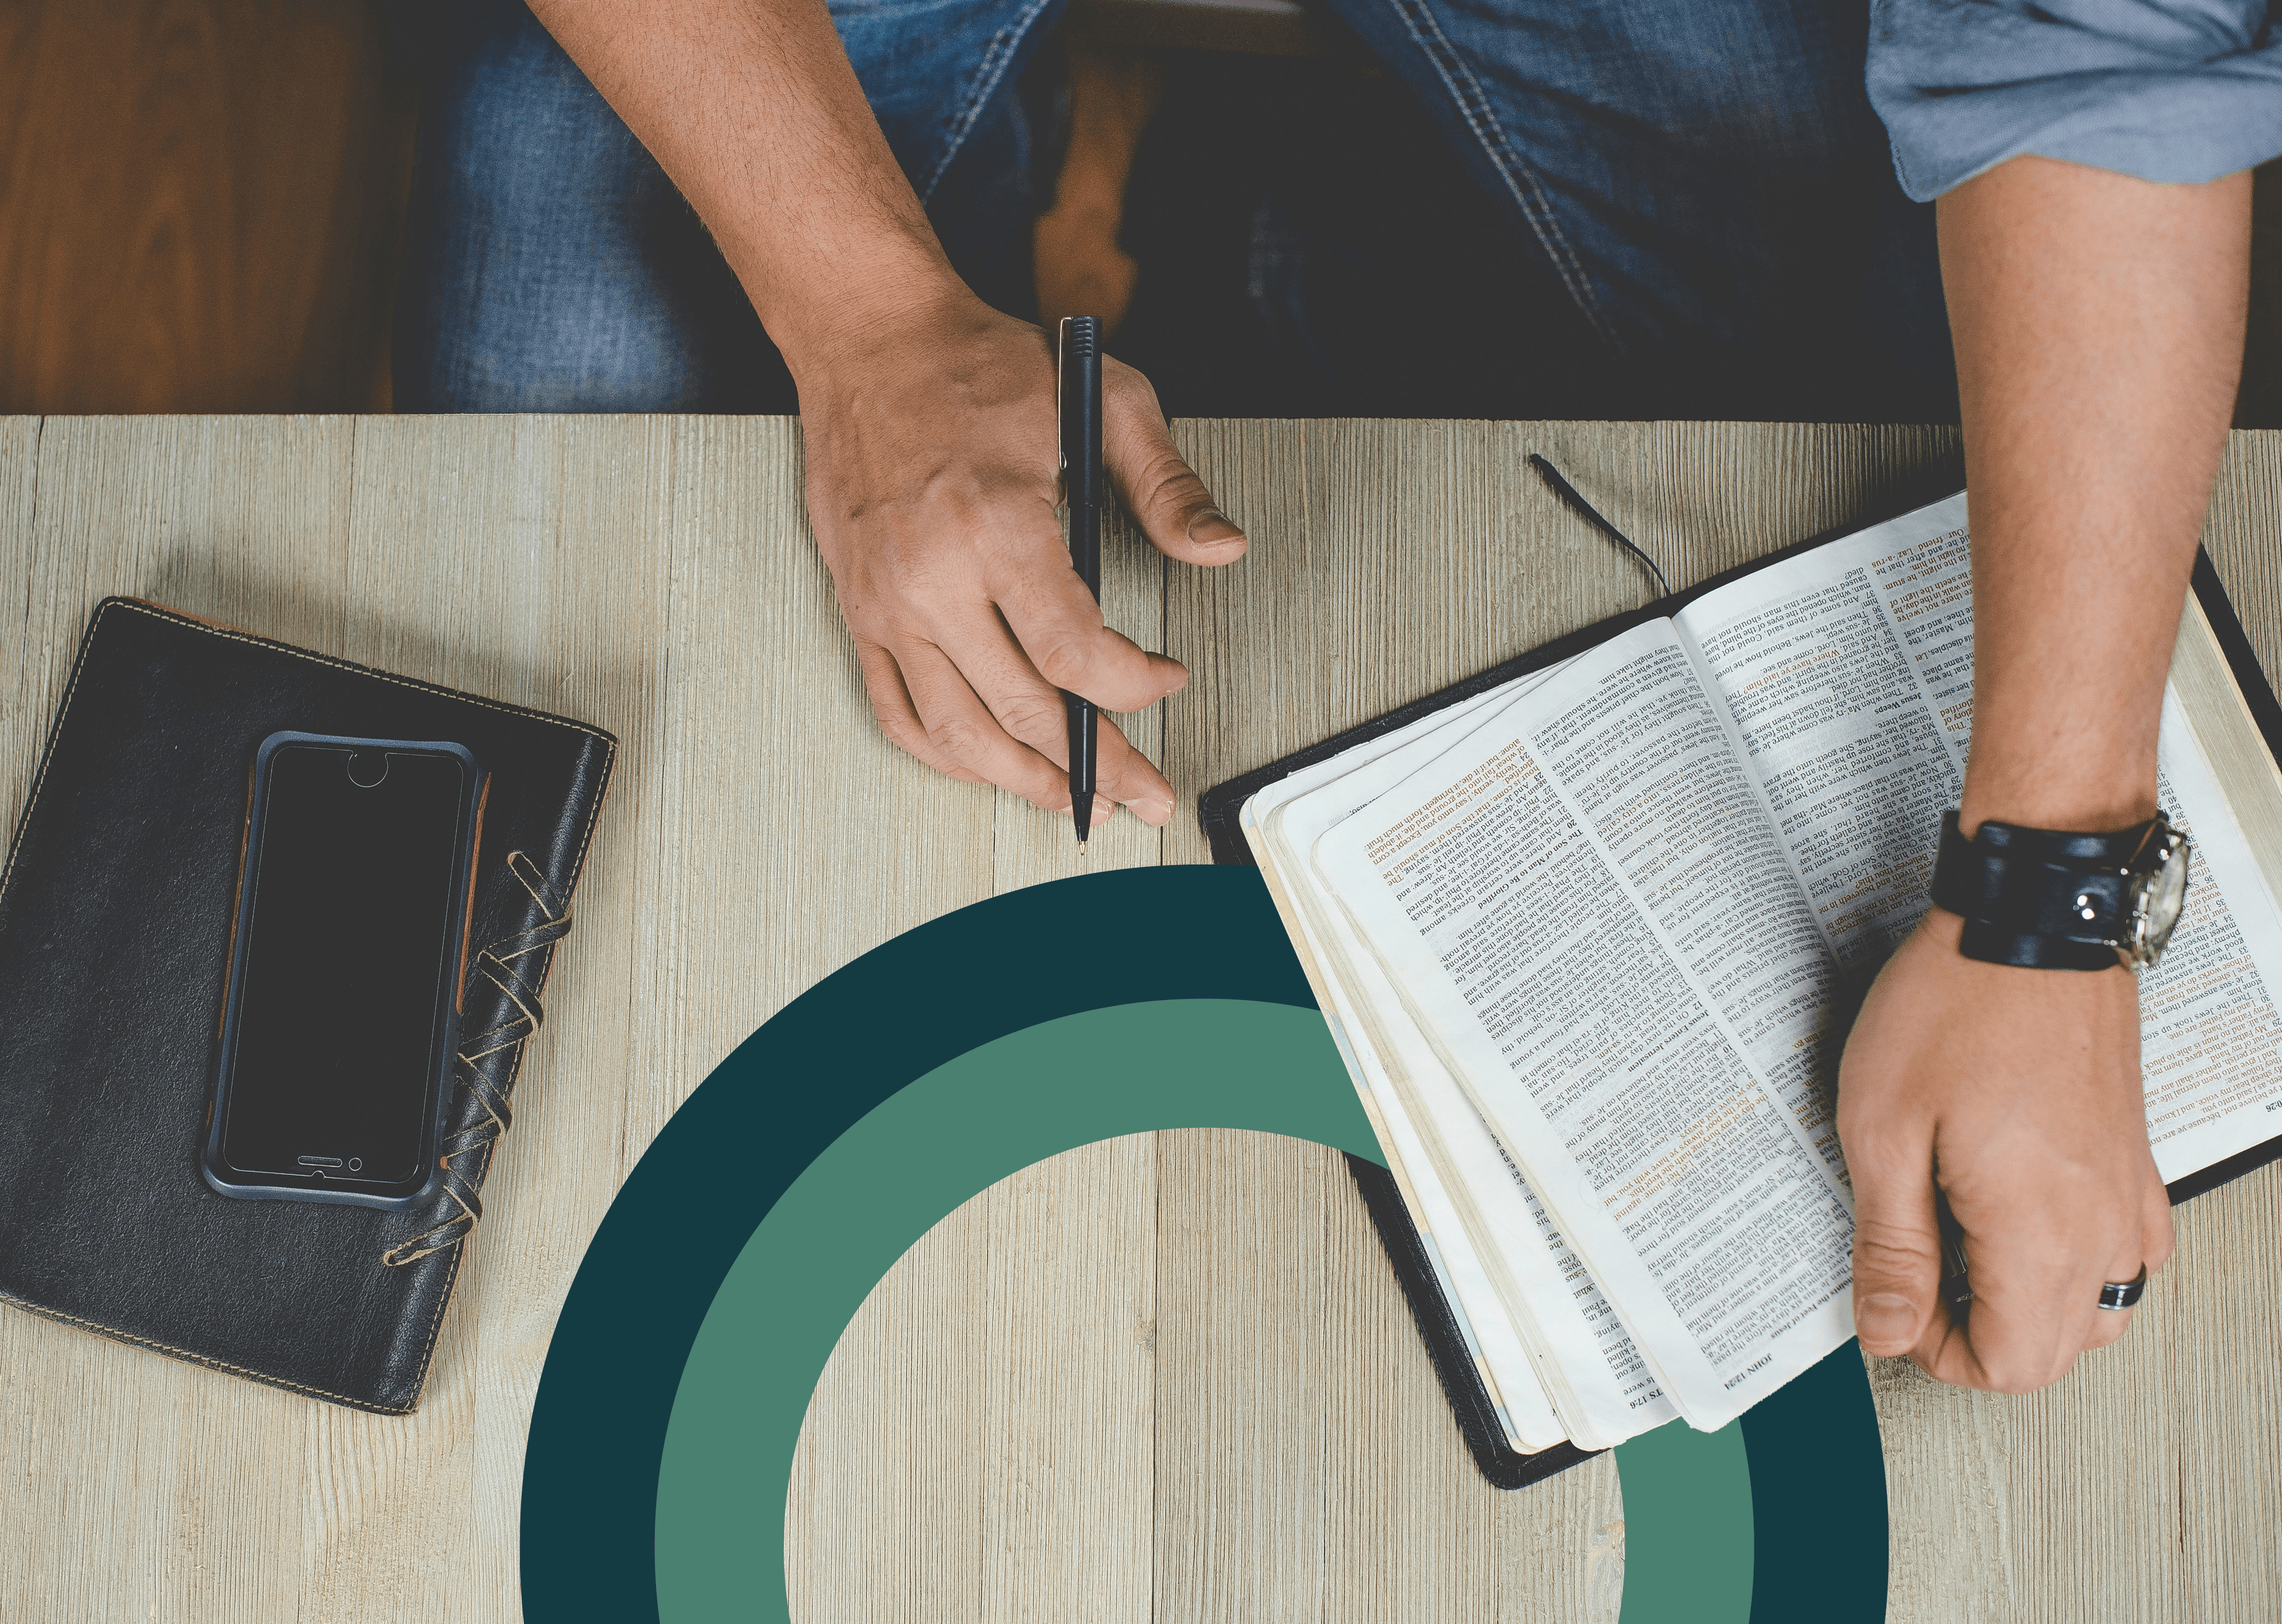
2176 90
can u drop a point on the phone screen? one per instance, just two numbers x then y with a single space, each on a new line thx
349 964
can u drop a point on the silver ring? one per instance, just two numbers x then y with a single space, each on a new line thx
2120 1297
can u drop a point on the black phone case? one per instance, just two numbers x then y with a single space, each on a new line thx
220 1176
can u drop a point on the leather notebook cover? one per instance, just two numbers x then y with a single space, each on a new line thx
115 911
1218 810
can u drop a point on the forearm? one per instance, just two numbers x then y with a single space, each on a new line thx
2099 323
751 108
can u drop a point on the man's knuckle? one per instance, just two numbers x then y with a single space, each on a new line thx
1030 717
1167 481
1887 1249
1127 389
957 737
1878 1137
1067 661
2015 1374
895 723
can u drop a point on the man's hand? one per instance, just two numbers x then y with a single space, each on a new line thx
932 484
2020 1090
933 454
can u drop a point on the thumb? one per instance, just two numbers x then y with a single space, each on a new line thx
1897 1252
1159 489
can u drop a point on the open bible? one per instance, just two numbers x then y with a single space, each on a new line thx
1589 938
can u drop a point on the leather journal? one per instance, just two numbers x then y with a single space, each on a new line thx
116 905
1370 798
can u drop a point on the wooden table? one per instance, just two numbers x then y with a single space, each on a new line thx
1167 1377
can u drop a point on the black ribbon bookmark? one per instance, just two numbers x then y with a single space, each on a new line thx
1567 493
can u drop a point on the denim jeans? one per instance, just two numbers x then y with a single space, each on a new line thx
1707 182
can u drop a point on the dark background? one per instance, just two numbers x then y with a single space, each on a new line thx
201 205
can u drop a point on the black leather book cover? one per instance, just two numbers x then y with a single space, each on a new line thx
115 912
1218 811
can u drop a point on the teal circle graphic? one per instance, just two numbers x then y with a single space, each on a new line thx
913 1159
871 1107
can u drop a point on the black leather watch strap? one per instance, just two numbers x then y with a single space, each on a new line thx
2025 894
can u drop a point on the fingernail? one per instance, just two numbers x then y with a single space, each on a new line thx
1885 1318
1212 528
1157 814
1101 812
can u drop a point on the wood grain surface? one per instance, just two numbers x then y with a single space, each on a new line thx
200 205
1167 1377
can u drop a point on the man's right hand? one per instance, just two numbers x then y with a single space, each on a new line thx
933 454
933 479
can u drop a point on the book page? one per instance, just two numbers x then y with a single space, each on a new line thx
1848 674
1620 1049
1597 1381
1509 1367
1841 671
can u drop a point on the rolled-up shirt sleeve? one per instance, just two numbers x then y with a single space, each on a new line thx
2178 90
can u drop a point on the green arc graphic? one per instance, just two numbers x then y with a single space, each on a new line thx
662 1441
910 1162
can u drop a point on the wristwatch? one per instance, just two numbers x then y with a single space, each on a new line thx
2048 899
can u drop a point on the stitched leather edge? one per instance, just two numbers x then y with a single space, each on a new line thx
117 1335
159 611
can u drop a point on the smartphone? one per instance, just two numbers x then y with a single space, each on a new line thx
347 955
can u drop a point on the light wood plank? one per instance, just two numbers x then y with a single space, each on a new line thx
476 563
790 837
2241 535
1069 1390
1243 1403
998 1436
882 1518
979 1446
199 1490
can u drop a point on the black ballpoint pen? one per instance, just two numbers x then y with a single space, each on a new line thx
1079 398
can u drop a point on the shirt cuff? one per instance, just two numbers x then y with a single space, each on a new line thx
2166 92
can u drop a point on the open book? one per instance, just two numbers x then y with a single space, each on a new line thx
1588 941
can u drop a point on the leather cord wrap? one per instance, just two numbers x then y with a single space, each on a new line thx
2022 893
486 1063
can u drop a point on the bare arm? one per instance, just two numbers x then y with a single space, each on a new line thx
751 107
2098 324
929 417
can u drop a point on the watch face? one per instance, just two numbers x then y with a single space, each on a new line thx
2160 894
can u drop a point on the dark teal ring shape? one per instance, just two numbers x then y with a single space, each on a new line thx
606 1395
